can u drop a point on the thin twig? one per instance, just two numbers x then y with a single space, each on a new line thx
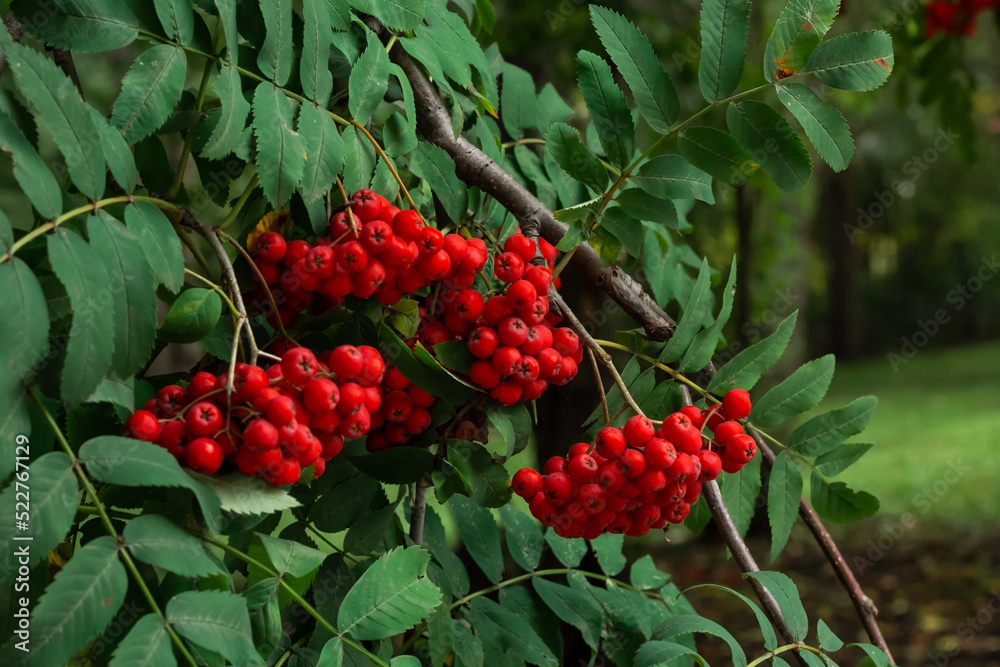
600 386
862 603
418 510
259 277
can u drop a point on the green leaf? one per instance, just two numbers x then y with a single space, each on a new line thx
433 164
657 653
801 391
766 629
58 103
177 19
325 152
332 654
838 460
115 391
564 145
468 646
276 54
88 26
569 551
724 28
369 80
703 347
359 162
376 534
430 376
874 653
717 153
608 549
53 494
217 619
129 462
192 316
645 575
32 174
787 596
687 624
825 432
740 491
855 61
263 607
451 564
232 122
158 541
405 661
573 607
281 151
133 292
743 370
823 124
772 142
516 632
160 245
550 108
314 68
396 465
392 596
400 14
239 494
350 495
480 535
147 644
458 49
91 338
643 206
488 482
673 177
440 635
695 310
453 354
800 27
523 536
784 491
608 108
117 152
401 137
624 228
296 559
837 502
227 18
77 606
631 51
517 100
150 91
828 640
24 327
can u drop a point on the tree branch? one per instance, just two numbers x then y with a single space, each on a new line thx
862 603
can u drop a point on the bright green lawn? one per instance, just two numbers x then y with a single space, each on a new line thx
941 408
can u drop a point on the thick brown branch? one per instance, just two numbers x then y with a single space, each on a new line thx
477 169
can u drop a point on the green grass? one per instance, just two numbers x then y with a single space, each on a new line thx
940 410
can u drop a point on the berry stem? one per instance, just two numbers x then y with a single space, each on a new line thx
797 647
600 386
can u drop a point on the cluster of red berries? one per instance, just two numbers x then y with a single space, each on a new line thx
374 250
279 421
403 415
638 478
515 339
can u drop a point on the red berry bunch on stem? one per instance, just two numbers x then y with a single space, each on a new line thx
639 477
279 421
374 250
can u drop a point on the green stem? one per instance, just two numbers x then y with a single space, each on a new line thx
221 292
302 517
192 248
106 520
656 363
250 560
241 202
89 208
511 144
627 172
545 573
782 649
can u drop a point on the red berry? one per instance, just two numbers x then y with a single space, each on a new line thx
366 205
355 425
321 395
469 305
299 366
508 393
352 398
678 429
419 421
565 341
280 410
682 467
248 380
694 414
726 430
633 463
270 247
737 403
610 443
526 483
651 480
483 342
660 454
203 455
506 360
431 241
638 431
320 262
582 469
201 384
397 406
407 224
513 331
521 294
143 425
346 362
203 418
526 370
610 475
173 438
593 498
372 367
376 237
508 267
741 448
352 256
260 434
520 245
567 371
170 399
484 374
435 266
549 361
285 471
555 464
540 277
558 488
